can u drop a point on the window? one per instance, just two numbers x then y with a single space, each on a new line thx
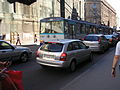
4 45
91 38
26 11
52 27
52 47
70 47
103 38
82 46
73 46
66 28
57 27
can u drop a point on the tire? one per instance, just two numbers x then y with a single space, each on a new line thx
72 66
90 57
102 50
24 57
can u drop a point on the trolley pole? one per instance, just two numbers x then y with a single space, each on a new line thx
62 8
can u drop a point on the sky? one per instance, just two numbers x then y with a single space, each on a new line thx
116 5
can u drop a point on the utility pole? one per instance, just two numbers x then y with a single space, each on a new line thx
62 8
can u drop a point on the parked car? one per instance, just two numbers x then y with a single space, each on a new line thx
63 53
112 39
9 52
96 42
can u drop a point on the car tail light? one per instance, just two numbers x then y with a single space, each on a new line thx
110 40
99 40
83 39
37 54
63 57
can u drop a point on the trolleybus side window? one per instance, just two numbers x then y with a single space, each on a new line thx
71 30
57 27
82 29
45 27
87 30
77 28
66 28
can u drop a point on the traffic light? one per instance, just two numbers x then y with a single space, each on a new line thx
27 2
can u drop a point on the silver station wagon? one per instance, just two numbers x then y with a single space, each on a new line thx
96 42
63 53
9 52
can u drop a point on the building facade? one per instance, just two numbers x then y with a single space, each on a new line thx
24 20
100 12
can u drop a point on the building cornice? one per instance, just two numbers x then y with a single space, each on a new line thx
108 6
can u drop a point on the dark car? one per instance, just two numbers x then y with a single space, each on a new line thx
117 36
9 52
112 39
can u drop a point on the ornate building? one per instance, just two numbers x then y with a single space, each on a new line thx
100 12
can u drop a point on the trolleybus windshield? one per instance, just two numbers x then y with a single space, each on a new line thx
52 27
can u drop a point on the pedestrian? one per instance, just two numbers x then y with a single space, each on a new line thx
18 39
115 60
3 37
35 38
41 42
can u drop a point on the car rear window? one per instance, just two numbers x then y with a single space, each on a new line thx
108 36
52 47
91 38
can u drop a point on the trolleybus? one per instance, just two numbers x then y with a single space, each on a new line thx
61 28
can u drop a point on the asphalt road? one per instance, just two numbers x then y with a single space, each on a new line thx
97 77
88 76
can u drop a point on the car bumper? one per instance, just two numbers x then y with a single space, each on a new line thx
53 63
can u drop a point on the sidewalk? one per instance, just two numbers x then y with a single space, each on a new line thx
98 77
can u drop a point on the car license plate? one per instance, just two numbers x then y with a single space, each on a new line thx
48 56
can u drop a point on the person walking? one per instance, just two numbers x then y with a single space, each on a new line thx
18 39
35 38
115 60
41 42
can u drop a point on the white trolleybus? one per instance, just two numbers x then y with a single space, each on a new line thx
61 28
